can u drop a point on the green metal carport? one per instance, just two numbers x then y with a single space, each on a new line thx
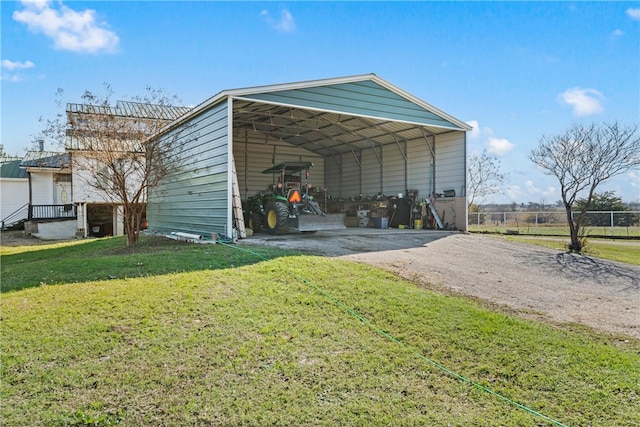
365 136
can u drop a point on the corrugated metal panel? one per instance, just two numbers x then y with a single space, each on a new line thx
372 172
254 153
12 169
195 200
394 169
333 173
130 109
365 98
420 174
350 178
46 159
451 163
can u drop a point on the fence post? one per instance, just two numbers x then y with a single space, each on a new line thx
504 221
612 231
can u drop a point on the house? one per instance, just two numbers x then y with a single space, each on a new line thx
37 194
14 192
366 137
99 137
51 214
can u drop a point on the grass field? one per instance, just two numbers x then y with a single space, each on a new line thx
176 334
557 230
614 250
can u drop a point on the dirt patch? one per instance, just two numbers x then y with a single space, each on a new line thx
534 281
18 238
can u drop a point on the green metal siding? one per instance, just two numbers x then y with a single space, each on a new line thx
195 200
365 98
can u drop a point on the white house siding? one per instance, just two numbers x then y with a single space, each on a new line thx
15 194
254 153
83 176
42 188
195 199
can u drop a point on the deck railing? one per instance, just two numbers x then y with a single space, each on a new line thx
52 211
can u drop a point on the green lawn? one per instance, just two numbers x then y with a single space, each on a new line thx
626 251
229 339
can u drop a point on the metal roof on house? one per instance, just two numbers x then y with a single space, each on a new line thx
45 159
333 116
131 109
12 169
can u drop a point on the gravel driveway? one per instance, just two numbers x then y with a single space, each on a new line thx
537 282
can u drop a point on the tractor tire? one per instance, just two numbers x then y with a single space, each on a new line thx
276 220
255 222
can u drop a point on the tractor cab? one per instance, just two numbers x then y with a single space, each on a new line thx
289 206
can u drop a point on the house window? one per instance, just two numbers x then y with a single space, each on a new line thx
62 177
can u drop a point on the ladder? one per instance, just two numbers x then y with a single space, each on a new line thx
236 202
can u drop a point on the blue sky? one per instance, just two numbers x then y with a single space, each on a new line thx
514 70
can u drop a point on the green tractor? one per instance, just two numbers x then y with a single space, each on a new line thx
289 206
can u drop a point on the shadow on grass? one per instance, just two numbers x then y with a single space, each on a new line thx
109 258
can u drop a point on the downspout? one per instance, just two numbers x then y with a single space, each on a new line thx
30 212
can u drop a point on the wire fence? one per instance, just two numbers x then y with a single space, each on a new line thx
554 223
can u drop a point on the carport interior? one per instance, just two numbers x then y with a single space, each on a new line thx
328 136
358 159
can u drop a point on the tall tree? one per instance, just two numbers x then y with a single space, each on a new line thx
583 157
111 153
484 178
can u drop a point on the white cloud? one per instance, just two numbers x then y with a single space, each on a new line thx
14 68
475 132
499 146
13 78
617 33
634 178
583 101
493 145
69 29
285 24
532 189
11 65
514 192
634 13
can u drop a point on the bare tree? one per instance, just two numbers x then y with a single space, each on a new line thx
483 178
582 158
112 154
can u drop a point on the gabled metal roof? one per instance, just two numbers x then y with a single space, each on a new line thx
46 159
131 110
333 116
